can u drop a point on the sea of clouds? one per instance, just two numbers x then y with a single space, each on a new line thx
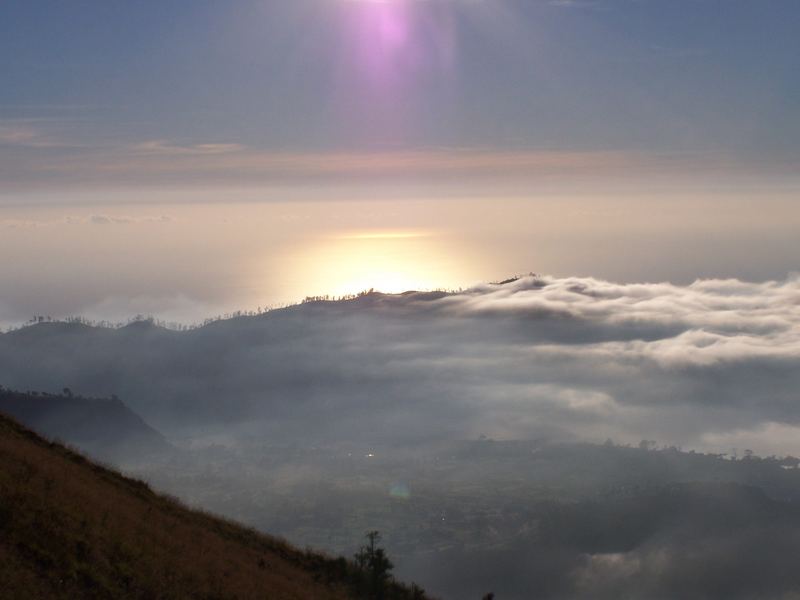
712 365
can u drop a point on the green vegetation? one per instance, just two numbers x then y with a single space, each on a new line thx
372 561
70 528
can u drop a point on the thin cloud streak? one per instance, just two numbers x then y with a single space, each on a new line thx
21 134
48 163
165 148
232 159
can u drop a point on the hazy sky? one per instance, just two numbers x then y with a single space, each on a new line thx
714 77
221 155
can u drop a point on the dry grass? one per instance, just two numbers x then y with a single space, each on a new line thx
72 529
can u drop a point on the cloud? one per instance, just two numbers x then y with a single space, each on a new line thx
165 148
34 156
576 3
120 219
13 223
161 161
21 133
94 219
712 365
706 323
565 358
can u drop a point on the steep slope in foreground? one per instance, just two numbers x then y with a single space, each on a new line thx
72 529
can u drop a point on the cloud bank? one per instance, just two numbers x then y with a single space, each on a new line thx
319 408
706 365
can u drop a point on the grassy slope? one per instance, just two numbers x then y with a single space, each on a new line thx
72 529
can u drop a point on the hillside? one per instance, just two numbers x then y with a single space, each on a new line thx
105 428
72 529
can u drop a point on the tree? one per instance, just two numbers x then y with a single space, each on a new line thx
372 561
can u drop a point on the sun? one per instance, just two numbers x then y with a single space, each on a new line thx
386 261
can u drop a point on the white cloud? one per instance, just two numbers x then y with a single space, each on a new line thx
707 322
545 357
165 147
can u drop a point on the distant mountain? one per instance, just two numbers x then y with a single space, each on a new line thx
103 427
72 529
269 367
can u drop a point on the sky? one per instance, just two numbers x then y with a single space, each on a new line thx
635 162
185 158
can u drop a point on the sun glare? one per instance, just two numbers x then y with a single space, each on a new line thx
386 261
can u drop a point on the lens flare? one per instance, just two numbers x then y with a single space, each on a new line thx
392 53
400 491
393 41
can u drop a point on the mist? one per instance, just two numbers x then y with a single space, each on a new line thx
572 358
513 283
186 255
503 429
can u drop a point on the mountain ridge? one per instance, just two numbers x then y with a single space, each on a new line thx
105 428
